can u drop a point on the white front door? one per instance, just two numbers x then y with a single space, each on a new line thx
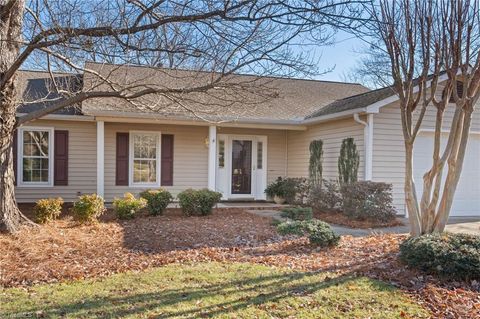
241 166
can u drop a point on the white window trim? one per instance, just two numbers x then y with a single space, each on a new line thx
131 183
51 136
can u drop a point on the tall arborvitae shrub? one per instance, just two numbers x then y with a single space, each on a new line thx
348 162
315 169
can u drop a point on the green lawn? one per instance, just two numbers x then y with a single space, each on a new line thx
212 290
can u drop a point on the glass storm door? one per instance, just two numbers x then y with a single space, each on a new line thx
242 167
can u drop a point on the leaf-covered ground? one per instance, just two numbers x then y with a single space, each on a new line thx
65 251
220 290
340 219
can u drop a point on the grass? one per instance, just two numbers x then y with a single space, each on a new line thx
221 290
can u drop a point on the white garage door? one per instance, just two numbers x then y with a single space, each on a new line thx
467 196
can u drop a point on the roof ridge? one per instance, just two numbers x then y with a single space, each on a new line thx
238 74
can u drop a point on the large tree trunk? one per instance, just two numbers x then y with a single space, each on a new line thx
455 165
411 193
11 18
11 219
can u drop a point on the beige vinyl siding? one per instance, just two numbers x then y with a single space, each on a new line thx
331 133
388 147
82 163
276 148
190 164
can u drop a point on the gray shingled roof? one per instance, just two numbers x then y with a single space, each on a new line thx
261 98
37 92
286 99
354 102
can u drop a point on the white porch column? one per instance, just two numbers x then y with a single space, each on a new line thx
212 156
101 158
368 143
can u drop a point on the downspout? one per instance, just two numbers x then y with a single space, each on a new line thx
368 141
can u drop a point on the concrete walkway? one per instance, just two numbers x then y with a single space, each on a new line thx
467 225
455 225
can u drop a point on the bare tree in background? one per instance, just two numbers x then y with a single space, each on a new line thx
427 41
216 37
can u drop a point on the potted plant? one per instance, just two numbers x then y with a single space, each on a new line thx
279 190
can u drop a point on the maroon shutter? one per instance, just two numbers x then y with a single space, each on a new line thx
60 158
167 160
15 154
121 173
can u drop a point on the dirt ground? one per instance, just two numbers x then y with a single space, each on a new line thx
63 250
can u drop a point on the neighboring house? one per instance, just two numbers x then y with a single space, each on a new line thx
112 146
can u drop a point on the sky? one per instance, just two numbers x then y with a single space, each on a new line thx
342 56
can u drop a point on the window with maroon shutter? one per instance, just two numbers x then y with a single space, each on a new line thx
60 158
121 170
15 154
167 160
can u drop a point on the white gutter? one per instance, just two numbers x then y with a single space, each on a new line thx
267 124
63 117
328 117
368 141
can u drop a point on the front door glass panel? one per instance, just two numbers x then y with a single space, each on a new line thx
241 167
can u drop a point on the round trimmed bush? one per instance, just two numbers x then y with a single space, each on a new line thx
47 209
157 200
128 206
455 256
198 202
319 233
88 208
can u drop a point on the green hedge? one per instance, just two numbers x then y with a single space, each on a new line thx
48 209
128 206
455 256
88 208
157 200
198 202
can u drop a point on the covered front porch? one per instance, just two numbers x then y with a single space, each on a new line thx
234 159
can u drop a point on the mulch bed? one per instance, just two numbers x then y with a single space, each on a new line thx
64 251
341 219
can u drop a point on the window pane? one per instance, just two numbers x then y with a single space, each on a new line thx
137 169
27 170
152 171
43 143
221 153
35 159
145 146
35 143
44 175
259 155
144 171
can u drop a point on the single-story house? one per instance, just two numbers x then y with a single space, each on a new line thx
111 146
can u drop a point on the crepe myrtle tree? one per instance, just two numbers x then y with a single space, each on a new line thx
217 37
433 54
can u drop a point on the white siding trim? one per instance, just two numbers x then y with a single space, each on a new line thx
368 143
443 131
212 156
369 148
101 158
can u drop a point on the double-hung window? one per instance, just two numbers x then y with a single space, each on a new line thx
144 159
35 164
